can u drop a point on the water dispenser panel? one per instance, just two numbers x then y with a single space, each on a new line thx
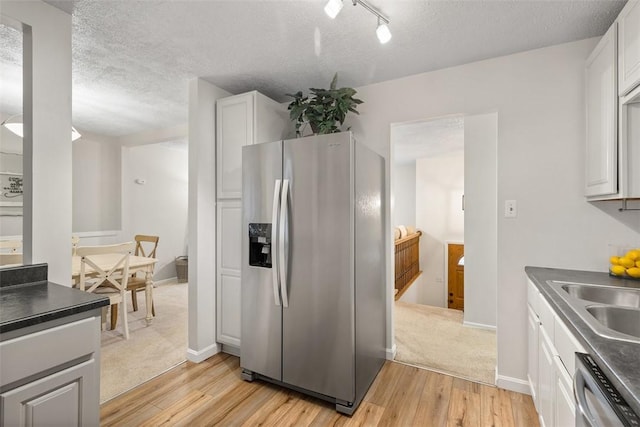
260 245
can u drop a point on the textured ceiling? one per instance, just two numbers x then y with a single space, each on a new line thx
428 138
132 59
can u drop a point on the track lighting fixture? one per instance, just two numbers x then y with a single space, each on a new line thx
334 7
383 33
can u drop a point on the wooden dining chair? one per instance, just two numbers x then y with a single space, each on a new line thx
75 242
111 281
146 246
10 246
12 258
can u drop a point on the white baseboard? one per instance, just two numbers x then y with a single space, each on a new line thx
232 350
478 325
202 355
513 384
391 352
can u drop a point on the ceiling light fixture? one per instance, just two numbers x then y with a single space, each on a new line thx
383 33
14 124
334 7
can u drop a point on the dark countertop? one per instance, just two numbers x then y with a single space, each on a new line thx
619 360
27 304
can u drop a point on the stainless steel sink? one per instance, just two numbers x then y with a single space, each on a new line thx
619 319
610 311
623 297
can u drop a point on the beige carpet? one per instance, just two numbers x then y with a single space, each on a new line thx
152 349
434 338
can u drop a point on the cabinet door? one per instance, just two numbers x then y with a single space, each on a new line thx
229 215
546 380
234 128
601 118
65 398
565 409
629 47
532 339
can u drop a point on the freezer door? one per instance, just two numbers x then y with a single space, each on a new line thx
318 323
261 348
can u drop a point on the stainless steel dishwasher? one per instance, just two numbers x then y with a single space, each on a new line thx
598 404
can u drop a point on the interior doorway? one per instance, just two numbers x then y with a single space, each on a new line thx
455 276
428 195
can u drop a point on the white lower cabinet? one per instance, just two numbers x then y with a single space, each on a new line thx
51 377
229 224
565 408
54 400
551 364
546 380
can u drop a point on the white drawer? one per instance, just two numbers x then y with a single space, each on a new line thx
31 354
567 345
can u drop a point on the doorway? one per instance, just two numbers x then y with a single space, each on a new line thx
143 191
432 327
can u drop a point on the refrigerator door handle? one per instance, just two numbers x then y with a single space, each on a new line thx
274 237
282 257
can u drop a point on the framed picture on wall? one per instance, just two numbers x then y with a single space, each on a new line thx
11 196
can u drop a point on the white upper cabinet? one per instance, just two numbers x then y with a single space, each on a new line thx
629 47
245 119
602 120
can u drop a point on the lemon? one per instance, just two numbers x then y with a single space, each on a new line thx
614 260
618 270
638 264
626 262
634 272
633 254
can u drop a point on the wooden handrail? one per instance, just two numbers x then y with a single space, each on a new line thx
407 262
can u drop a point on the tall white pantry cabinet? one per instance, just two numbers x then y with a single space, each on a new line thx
248 118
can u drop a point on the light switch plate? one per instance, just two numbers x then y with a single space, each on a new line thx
510 209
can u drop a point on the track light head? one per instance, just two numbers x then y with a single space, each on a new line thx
383 32
333 7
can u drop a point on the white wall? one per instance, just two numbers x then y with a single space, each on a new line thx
539 99
404 194
202 219
439 215
47 139
97 191
160 206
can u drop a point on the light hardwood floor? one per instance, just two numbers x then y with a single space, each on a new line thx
212 393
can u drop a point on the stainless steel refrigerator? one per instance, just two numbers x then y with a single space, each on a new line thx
313 268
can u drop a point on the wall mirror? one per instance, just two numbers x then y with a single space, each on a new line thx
11 145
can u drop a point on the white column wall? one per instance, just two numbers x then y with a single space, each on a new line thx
202 220
47 145
480 220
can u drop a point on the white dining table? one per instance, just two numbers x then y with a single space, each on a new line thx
108 261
